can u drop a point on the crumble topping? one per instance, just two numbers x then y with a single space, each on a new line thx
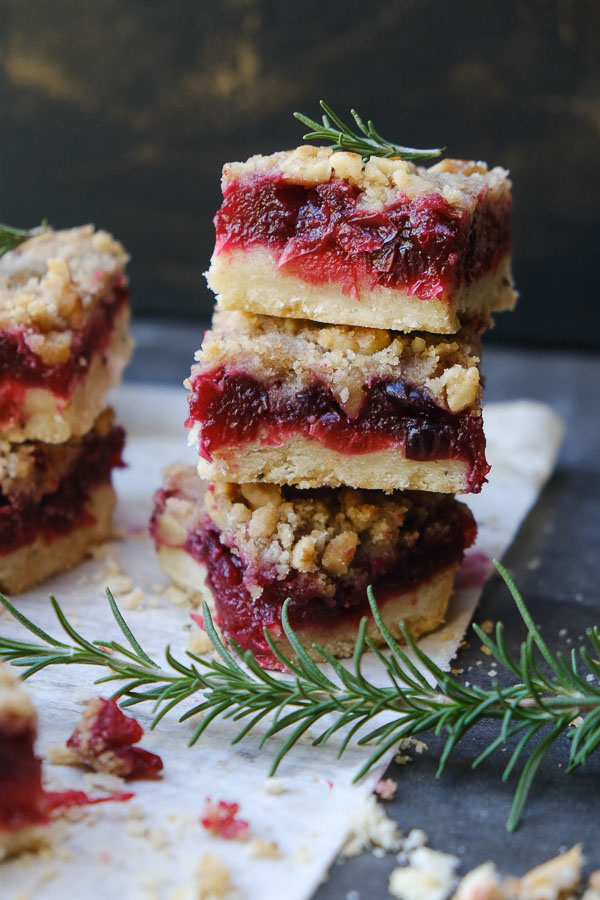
298 352
460 182
48 284
33 468
317 531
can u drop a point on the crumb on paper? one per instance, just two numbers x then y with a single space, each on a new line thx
119 584
259 848
370 827
199 643
60 755
176 596
486 650
487 627
275 785
302 856
386 788
211 880
133 599
429 875
555 879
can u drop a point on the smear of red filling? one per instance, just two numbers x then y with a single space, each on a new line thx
220 818
234 408
105 737
21 368
321 234
23 800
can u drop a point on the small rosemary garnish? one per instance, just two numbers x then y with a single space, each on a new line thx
367 141
548 695
11 237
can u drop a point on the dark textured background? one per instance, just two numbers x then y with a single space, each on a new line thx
123 113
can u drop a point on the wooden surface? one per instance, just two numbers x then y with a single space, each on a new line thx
123 113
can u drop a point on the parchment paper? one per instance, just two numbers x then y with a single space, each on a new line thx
151 846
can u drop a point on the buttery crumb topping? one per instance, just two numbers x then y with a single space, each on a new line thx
48 284
460 182
294 353
318 531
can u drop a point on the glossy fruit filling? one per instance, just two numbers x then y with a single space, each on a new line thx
234 408
389 570
23 520
23 800
22 369
320 233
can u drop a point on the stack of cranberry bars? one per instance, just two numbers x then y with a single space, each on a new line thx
64 340
336 402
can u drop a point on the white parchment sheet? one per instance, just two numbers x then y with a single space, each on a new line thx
151 846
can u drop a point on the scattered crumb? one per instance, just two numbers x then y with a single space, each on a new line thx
258 848
487 627
592 891
457 671
369 827
556 879
120 584
534 563
210 881
302 856
386 788
134 599
563 632
275 785
486 650
199 643
176 596
429 875
62 756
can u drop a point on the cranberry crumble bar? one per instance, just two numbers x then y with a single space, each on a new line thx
250 546
64 332
297 402
56 502
317 234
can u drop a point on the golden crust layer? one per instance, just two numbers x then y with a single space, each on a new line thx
249 279
27 566
296 352
309 464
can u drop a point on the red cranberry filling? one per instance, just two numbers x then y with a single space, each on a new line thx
21 368
235 408
112 732
391 571
23 520
320 233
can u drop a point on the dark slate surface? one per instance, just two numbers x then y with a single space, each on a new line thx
124 113
554 560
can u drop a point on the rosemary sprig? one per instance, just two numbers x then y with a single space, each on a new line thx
549 692
366 141
11 237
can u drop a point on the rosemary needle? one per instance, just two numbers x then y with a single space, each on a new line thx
548 694
366 141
